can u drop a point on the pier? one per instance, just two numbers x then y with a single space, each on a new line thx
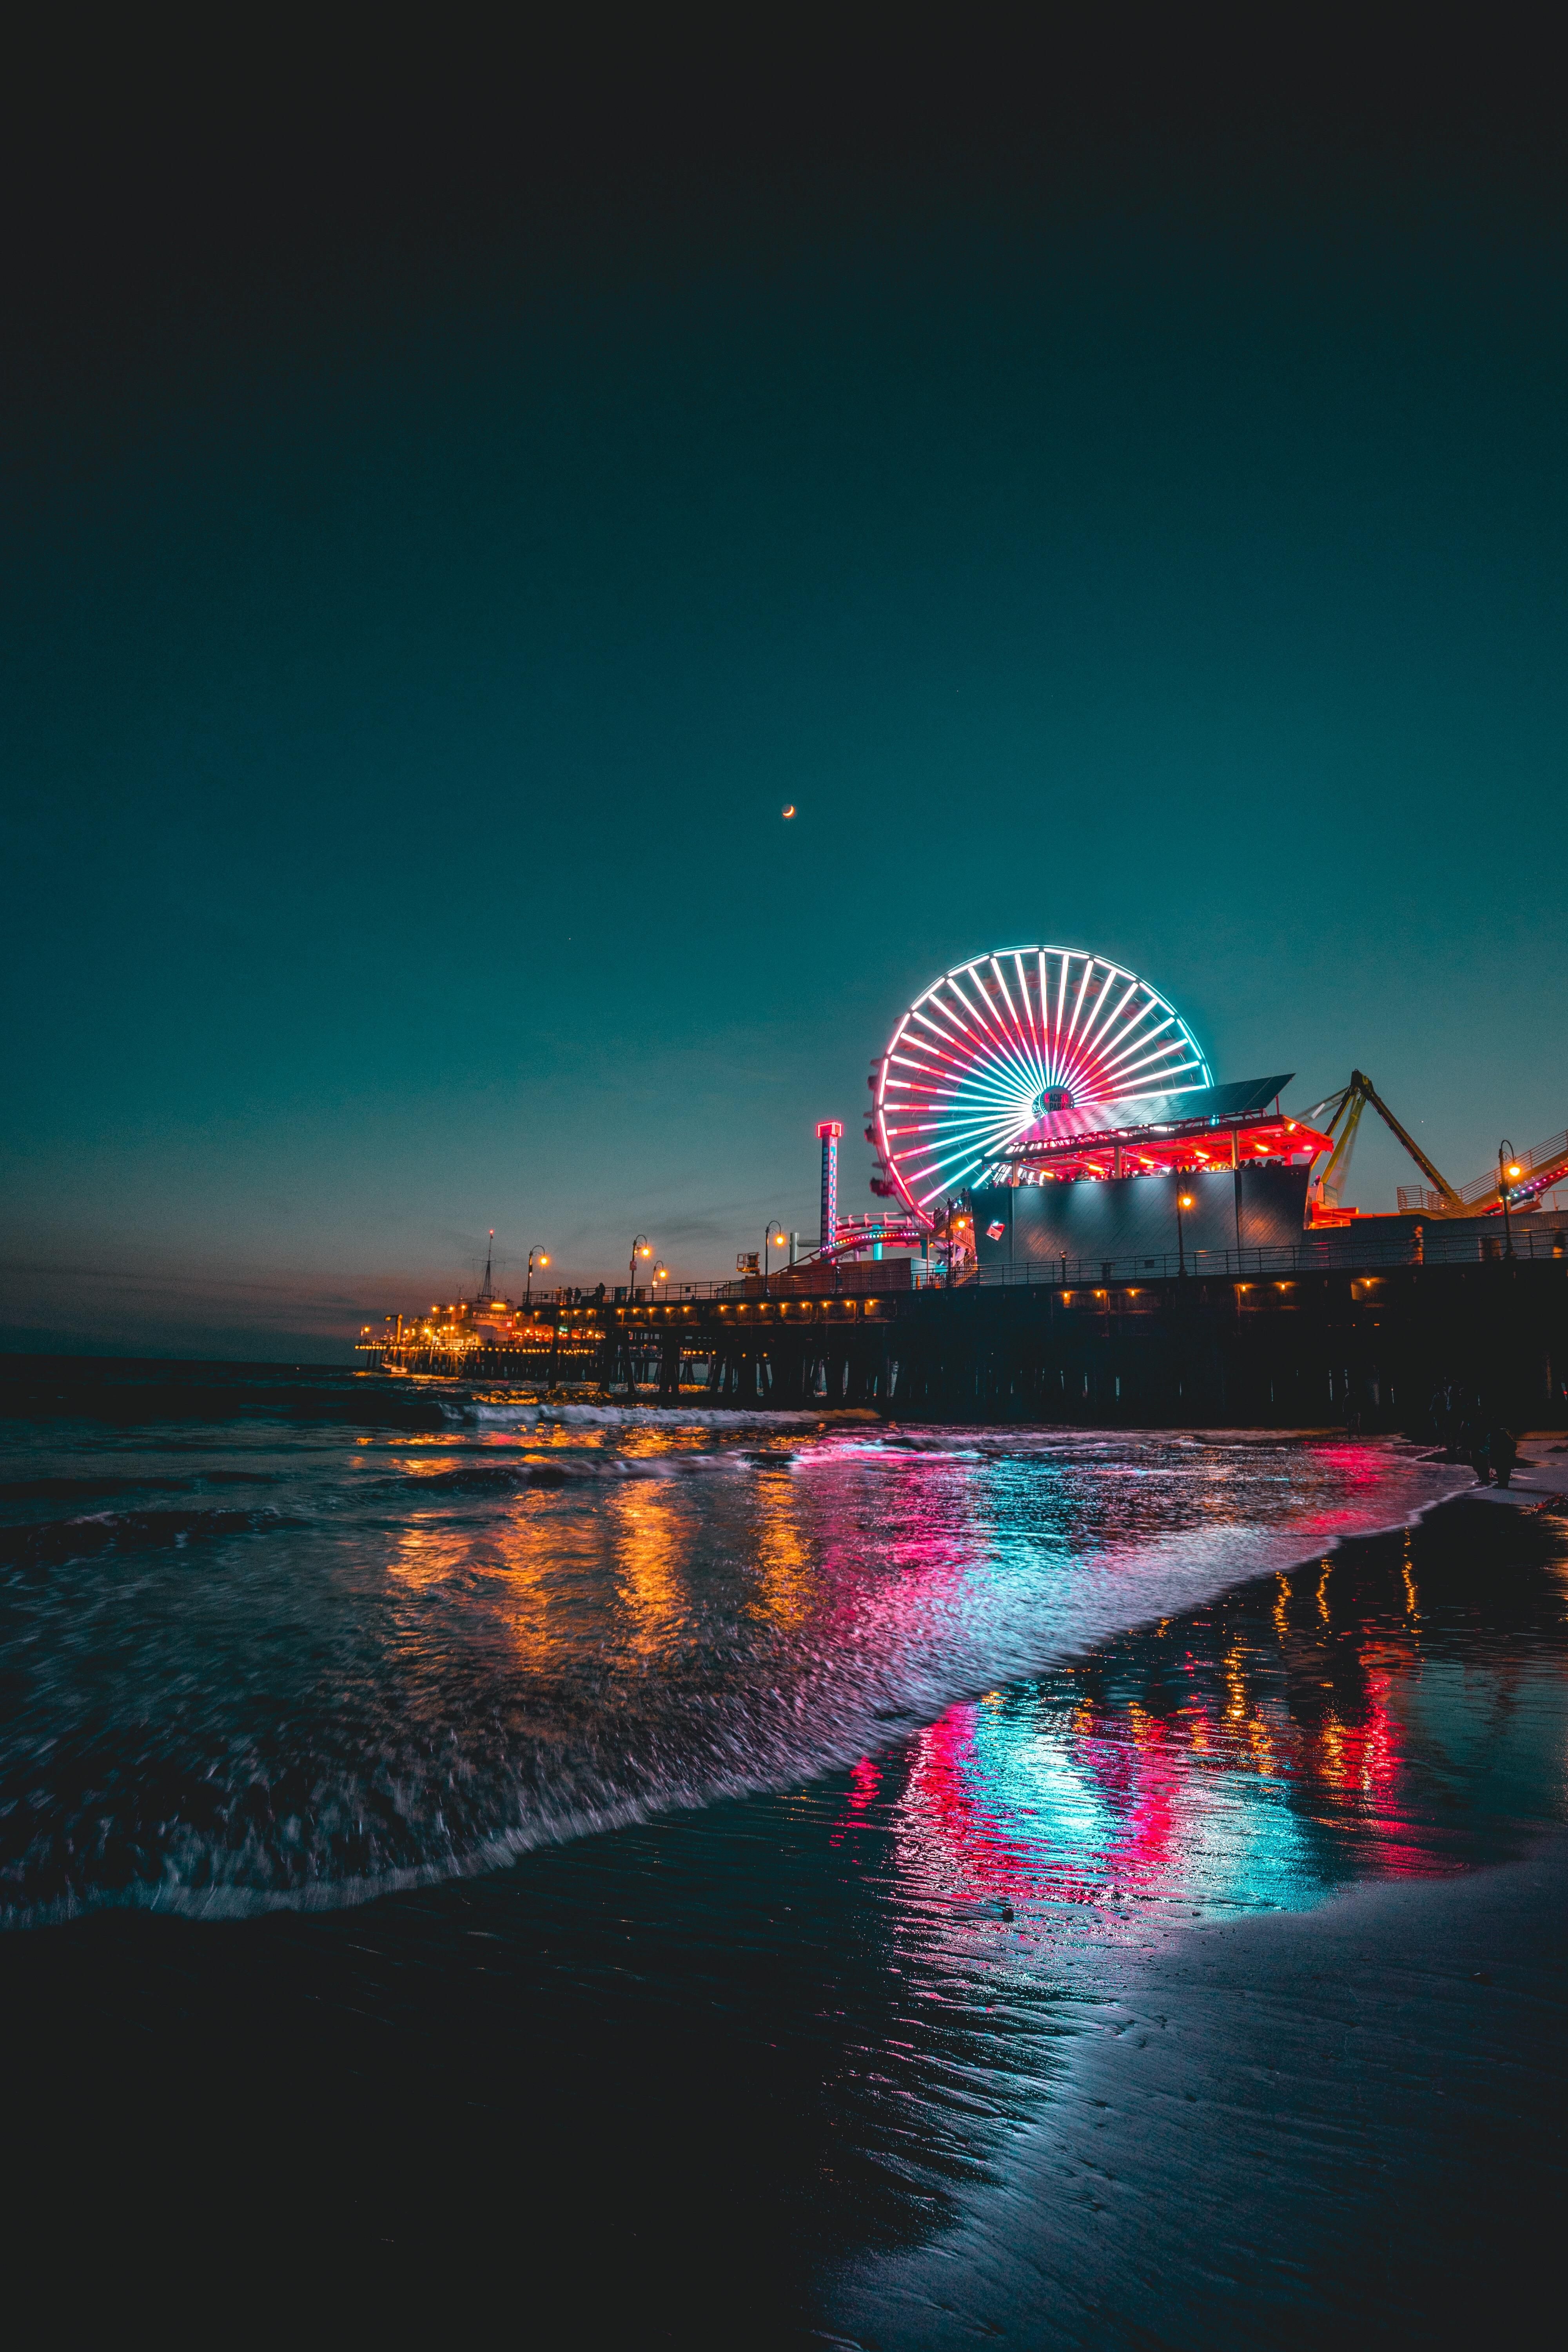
1327 1333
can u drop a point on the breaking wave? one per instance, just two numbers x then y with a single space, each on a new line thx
56 1541
80 1488
525 1414
378 1695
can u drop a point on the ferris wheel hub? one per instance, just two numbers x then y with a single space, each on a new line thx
1007 1040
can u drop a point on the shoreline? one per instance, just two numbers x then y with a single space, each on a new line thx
225 1906
1349 2115
1008 2032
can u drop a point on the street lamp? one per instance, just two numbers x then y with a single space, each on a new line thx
772 1238
535 1256
659 1274
1507 1171
639 1249
1184 1200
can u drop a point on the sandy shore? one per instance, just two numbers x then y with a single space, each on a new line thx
1349 2119
675 2082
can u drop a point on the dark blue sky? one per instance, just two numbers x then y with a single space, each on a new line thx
412 637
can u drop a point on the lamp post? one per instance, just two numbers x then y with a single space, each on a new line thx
639 1249
1507 1171
659 1274
535 1256
774 1237
1184 1200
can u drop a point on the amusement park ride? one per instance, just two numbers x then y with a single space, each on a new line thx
1021 1104
1044 1066
1046 1122
1517 1183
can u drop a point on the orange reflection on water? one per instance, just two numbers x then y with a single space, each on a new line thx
788 1586
1363 1757
650 1540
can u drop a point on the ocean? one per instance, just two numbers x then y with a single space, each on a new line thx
681 1849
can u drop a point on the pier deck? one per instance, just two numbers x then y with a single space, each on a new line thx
1364 1345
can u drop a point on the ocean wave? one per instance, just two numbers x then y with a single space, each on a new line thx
52 1542
397 1700
484 1479
578 1468
528 1415
73 1488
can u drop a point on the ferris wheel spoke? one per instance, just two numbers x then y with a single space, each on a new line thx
994 1127
1010 1040
1030 1027
1107 1013
1147 1064
1093 1020
975 1057
1138 1043
937 1135
974 1010
1001 980
1002 1068
1077 1001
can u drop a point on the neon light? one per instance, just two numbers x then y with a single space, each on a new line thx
968 1069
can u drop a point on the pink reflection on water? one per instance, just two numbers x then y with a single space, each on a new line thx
1104 1803
974 1850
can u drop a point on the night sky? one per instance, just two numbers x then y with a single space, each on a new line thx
454 500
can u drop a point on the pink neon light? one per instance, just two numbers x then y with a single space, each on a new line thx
1000 1045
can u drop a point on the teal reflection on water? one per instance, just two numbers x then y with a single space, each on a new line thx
1252 1756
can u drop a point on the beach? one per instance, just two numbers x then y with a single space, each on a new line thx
1202 1984
1349 2119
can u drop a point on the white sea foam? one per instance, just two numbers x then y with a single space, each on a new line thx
492 1657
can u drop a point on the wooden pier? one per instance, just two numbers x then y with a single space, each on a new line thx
1369 1347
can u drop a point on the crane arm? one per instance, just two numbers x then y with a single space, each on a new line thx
1363 1087
1352 1104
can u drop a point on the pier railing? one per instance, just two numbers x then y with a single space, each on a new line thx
1342 1251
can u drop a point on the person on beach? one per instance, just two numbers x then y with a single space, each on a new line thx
1473 1445
1502 1452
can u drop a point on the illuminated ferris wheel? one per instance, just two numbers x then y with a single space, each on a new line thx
1015 1046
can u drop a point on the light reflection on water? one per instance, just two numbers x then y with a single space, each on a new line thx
1010 1712
1253 1756
405 1659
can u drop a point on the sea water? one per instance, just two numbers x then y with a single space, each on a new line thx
294 1638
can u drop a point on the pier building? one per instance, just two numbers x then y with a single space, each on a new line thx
1079 1223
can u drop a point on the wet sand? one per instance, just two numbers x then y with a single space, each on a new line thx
1350 2120
1011 2034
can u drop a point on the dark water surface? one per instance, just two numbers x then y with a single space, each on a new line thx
769 1810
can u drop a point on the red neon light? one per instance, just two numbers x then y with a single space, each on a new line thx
998 1047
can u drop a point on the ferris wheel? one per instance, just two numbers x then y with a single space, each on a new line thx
998 1047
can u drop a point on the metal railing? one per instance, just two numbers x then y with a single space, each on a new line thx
1539 1155
1334 1251
1326 1252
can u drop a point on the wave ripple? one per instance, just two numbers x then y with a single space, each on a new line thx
445 1645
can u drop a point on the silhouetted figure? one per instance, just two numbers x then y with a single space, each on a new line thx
1473 1445
1503 1449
